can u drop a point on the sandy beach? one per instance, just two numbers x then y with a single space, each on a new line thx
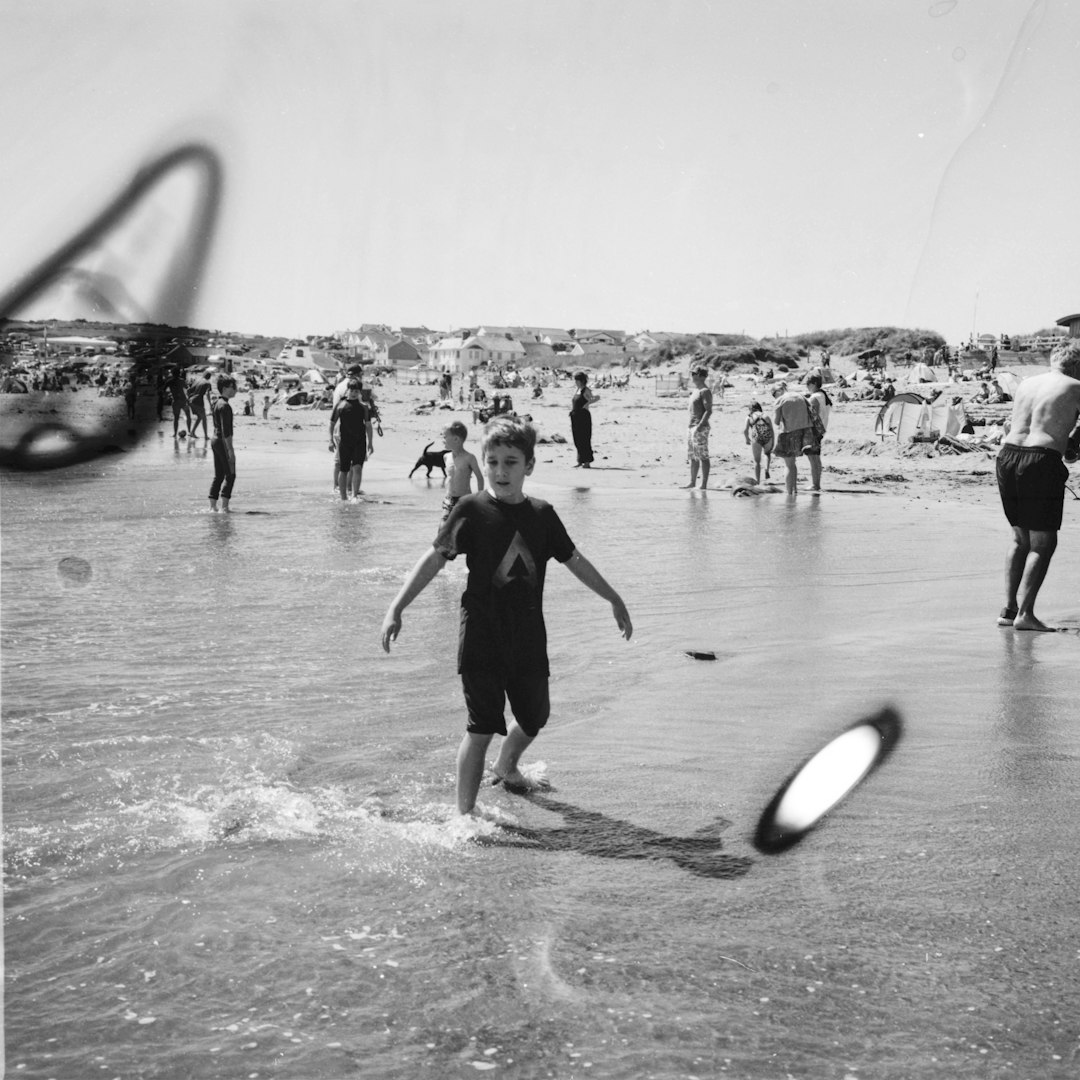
229 842
639 441
638 437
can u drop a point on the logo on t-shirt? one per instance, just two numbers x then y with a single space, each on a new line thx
517 565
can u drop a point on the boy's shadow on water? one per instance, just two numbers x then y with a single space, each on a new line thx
588 832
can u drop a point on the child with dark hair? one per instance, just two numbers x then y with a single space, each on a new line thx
221 445
507 538
353 423
581 420
760 437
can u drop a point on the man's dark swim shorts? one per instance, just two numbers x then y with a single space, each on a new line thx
1031 482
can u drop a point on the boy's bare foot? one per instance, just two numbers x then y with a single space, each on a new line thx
517 783
1029 622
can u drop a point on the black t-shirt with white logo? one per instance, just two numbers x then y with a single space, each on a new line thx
507 547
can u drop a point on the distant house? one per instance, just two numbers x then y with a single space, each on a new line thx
375 345
461 353
646 341
549 335
418 335
403 353
1071 323
82 344
350 341
365 341
598 337
186 356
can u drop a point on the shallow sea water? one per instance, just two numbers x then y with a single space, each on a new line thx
228 843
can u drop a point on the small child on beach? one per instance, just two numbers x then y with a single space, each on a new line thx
221 445
463 466
760 436
266 406
507 538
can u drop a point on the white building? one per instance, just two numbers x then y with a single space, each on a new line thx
463 353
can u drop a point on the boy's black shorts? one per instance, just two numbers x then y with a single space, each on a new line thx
1031 482
348 456
486 693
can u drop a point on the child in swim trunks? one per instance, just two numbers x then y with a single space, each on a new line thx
507 538
463 466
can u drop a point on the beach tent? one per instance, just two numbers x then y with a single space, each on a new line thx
11 385
922 373
314 375
901 414
911 416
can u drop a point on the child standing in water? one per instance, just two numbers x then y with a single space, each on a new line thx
760 437
221 445
507 538
463 466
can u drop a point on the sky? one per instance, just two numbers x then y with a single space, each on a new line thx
770 167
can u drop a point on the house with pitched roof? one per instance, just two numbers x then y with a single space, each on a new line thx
463 352
598 337
549 335
418 335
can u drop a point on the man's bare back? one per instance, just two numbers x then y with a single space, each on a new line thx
1045 409
1031 478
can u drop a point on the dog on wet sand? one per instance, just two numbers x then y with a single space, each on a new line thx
431 459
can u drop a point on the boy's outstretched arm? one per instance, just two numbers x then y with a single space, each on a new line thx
587 574
427 566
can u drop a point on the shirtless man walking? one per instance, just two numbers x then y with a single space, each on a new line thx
1031 476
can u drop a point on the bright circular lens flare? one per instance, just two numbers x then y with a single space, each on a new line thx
827 777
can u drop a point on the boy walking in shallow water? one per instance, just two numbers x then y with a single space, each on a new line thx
507 538
462 467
